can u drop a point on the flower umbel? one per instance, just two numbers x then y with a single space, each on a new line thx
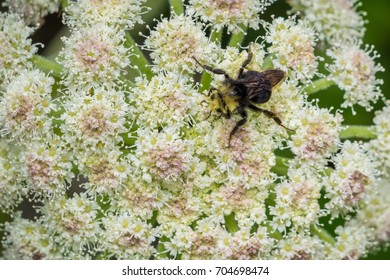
186 138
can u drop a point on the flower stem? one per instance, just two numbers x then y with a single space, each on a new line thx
318 85
138 59
236 39
47 66
358 131
177 6
322 234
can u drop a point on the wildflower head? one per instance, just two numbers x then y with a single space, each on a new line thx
296 201
94 117
126 237
33 12
72 222
316 135
167 99
117 13
354 71
26 104
28 240
94 56
175 42
292 43
105 170
164 155
352 179
336 21
47 168
229 13
16 46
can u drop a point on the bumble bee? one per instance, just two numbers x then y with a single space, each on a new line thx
237 95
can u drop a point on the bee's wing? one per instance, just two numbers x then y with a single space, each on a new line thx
259 84
258 87
274 76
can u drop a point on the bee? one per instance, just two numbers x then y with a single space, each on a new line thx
235 96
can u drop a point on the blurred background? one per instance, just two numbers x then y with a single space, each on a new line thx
377 34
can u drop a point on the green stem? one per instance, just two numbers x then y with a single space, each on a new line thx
177 6
237 39
358 131
322 234
47 66
318 85
138 58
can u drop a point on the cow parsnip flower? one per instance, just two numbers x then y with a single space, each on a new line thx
229 13
293 45
354 71
336 21
122 156
26 104
94 56
116 13
17 47
175 41
33 12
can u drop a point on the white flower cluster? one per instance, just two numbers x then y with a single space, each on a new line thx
354 71
126 160
16 47
32 11
334 20
293 46
234 14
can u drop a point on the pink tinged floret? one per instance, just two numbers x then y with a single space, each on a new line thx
24 110
233 6
94 122
129 240
168 161
245 250
93 54
318 142
355 188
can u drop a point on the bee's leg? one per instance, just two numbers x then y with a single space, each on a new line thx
241 122
269 114
214 70
211 90
245 63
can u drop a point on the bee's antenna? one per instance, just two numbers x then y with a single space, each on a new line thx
198 62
